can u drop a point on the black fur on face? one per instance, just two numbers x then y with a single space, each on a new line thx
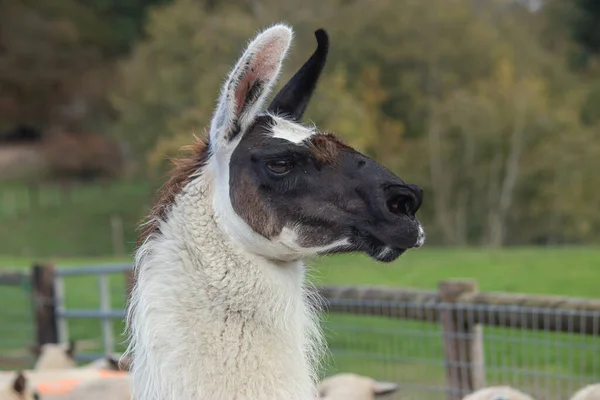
324 191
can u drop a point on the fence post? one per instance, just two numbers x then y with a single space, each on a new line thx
44 302
463 341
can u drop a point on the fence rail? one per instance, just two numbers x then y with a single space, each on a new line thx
494 309
459 339
463 314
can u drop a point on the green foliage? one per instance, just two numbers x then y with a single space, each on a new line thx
586 28
56 59
39 58
471 103
488 106
165 85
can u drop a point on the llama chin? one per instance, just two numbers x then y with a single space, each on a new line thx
220 308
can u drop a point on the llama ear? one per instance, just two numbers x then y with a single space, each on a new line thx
113 363
71 349
249 84
383 388
19 383
293 98
35 349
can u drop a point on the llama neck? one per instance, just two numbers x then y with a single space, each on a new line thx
210 321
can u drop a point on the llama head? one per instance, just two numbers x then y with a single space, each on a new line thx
284 190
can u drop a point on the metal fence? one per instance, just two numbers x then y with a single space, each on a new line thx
71 312
445 344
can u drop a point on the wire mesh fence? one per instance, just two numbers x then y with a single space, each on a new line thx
438 350
16 320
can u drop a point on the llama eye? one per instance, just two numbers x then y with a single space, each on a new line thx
280 167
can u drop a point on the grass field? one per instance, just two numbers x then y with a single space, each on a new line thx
49 223
404 350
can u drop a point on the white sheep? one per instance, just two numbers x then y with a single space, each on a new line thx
498 393
113 388
17 389
590 392
67 384
353 387
55 356
62 356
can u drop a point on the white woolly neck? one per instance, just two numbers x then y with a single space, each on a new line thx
211 321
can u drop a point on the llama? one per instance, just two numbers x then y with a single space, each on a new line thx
354 387
589 392
55 356
498 393
220 308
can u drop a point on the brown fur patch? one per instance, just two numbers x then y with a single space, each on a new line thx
248 203
181 175
325 147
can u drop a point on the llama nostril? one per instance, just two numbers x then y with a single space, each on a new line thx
405 200
402 204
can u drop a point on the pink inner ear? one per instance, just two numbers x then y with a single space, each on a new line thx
263 67
244 86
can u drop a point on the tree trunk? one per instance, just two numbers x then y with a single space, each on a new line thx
511 172
440 180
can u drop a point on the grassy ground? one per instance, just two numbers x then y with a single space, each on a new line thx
407 351
50 223
570 271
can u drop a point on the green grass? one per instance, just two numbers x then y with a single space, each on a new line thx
406 350
569 271
54 226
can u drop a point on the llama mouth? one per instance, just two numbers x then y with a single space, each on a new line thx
388 254
376 248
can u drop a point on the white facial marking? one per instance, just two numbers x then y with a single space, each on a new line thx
384 252
421 237
289 238
290 131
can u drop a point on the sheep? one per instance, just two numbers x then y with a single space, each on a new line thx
353 387
62 356
112 388
498 393
590 392
17 389
55 356
71 384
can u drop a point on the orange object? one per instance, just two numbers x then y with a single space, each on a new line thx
59 387
111 374
66 386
